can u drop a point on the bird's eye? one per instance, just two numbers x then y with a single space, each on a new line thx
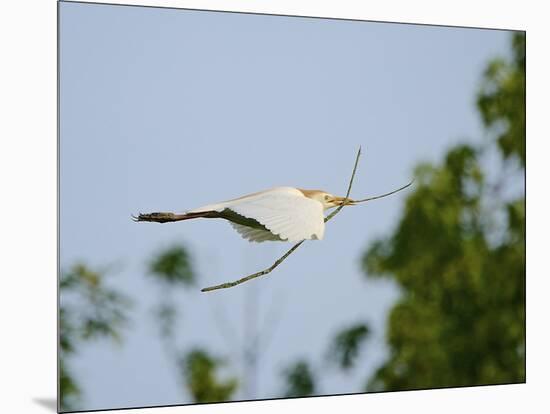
326 197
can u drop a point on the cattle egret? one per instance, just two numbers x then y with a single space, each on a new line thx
279 214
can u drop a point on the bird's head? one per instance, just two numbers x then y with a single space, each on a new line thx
326 199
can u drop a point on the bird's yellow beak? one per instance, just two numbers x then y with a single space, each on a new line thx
340 200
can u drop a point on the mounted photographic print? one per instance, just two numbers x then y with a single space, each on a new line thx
259 206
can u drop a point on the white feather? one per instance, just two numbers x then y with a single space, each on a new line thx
284 211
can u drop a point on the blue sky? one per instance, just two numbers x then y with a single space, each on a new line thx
172 109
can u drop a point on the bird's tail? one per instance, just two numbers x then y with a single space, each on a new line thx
169 217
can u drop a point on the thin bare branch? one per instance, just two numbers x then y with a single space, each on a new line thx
383 195
346 199
254 275
293 248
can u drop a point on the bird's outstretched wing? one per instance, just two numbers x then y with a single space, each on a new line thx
284 211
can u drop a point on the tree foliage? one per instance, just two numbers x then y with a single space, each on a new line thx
458 253
501 100
200 372
173 266
299 380
347 343
89 310
172 269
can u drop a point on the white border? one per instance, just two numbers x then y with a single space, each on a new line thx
400 11
28 206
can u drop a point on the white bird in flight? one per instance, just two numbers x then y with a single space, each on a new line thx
280 214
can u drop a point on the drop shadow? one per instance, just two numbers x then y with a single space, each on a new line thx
49 403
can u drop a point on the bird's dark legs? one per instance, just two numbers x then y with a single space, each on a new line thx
160 217
170 217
